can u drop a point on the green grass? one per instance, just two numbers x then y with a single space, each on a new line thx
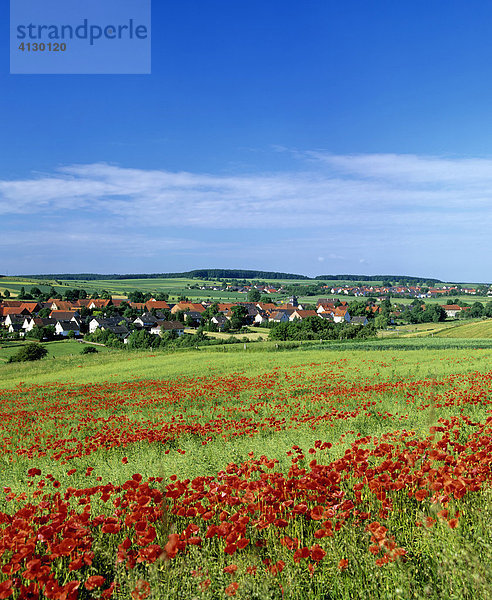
173 286
441 563
475 329
57 349
122 365
14 284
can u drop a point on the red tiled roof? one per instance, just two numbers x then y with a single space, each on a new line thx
188 306
99 303
31 306
12 310
305 313
157 304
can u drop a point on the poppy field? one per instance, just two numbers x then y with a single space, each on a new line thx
304 475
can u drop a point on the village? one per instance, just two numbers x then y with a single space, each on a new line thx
57 318
365 290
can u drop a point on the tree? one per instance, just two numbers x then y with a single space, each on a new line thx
168 334
136 296
358 308
49 332
130 313
254 296
29 352
210 312
89 350
36 333
71 295
385 307
239 316
476 310
178 316
189 321
381 322
6 294
111 311
142 339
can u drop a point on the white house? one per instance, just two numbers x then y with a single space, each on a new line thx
64 327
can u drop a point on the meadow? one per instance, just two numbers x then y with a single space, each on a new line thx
472 330
343 471
56 349
182 286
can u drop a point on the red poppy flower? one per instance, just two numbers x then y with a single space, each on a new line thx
317 553
230 569
231 589
142 590
94 581
6 589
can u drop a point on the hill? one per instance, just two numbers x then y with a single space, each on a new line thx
233 274
200 273
477 329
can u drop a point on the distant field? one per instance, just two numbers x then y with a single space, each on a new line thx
57 349
176 287
418 329
13 285
468 299
254 333
477 329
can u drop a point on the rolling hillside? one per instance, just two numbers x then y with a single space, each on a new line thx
477 329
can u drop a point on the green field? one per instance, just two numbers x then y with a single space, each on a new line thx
454 329
58 349
14 284
347 451
419 330
177 287
475 329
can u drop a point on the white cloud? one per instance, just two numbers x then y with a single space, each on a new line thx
411 169
333 206
356 190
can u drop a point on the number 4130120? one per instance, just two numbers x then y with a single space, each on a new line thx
42 47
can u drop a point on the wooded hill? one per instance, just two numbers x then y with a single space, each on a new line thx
233 274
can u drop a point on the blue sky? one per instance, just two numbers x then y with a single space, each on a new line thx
315 137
